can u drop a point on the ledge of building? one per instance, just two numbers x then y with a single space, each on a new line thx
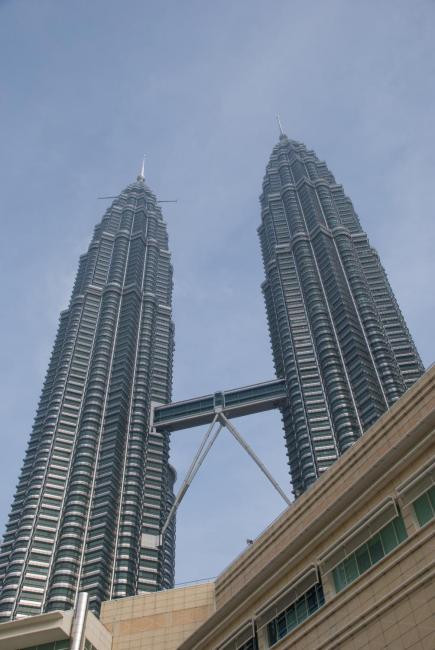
35 630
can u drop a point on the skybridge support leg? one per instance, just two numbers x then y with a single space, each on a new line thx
205 446
232 429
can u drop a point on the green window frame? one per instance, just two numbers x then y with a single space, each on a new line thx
369 553
424 506
251 644
304 607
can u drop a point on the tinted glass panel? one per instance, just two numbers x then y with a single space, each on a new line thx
389 538
295 614
363 558
368 554
423 509
375 549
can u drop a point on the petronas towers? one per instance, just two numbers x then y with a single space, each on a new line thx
94 479
338 335
96 483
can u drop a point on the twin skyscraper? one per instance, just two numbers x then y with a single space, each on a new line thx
96 478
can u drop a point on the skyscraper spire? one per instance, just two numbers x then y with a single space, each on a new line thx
141 176
281 132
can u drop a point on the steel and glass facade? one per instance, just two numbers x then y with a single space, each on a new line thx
338 335
95 481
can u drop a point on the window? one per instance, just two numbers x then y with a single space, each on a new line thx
88 645
369 553
419 491
248 645
424 506
241 639
295 614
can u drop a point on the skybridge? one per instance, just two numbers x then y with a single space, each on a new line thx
217 411
234 403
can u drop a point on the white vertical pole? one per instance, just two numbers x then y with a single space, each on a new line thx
79 621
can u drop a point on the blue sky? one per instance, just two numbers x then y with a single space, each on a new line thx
87 87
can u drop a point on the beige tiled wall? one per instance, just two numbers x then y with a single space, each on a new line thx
97 633
160 620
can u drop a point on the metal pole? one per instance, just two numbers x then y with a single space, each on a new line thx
193 469
232 429
200 448
79 621
207 449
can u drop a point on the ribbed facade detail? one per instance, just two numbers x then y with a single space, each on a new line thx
338 336
94 479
